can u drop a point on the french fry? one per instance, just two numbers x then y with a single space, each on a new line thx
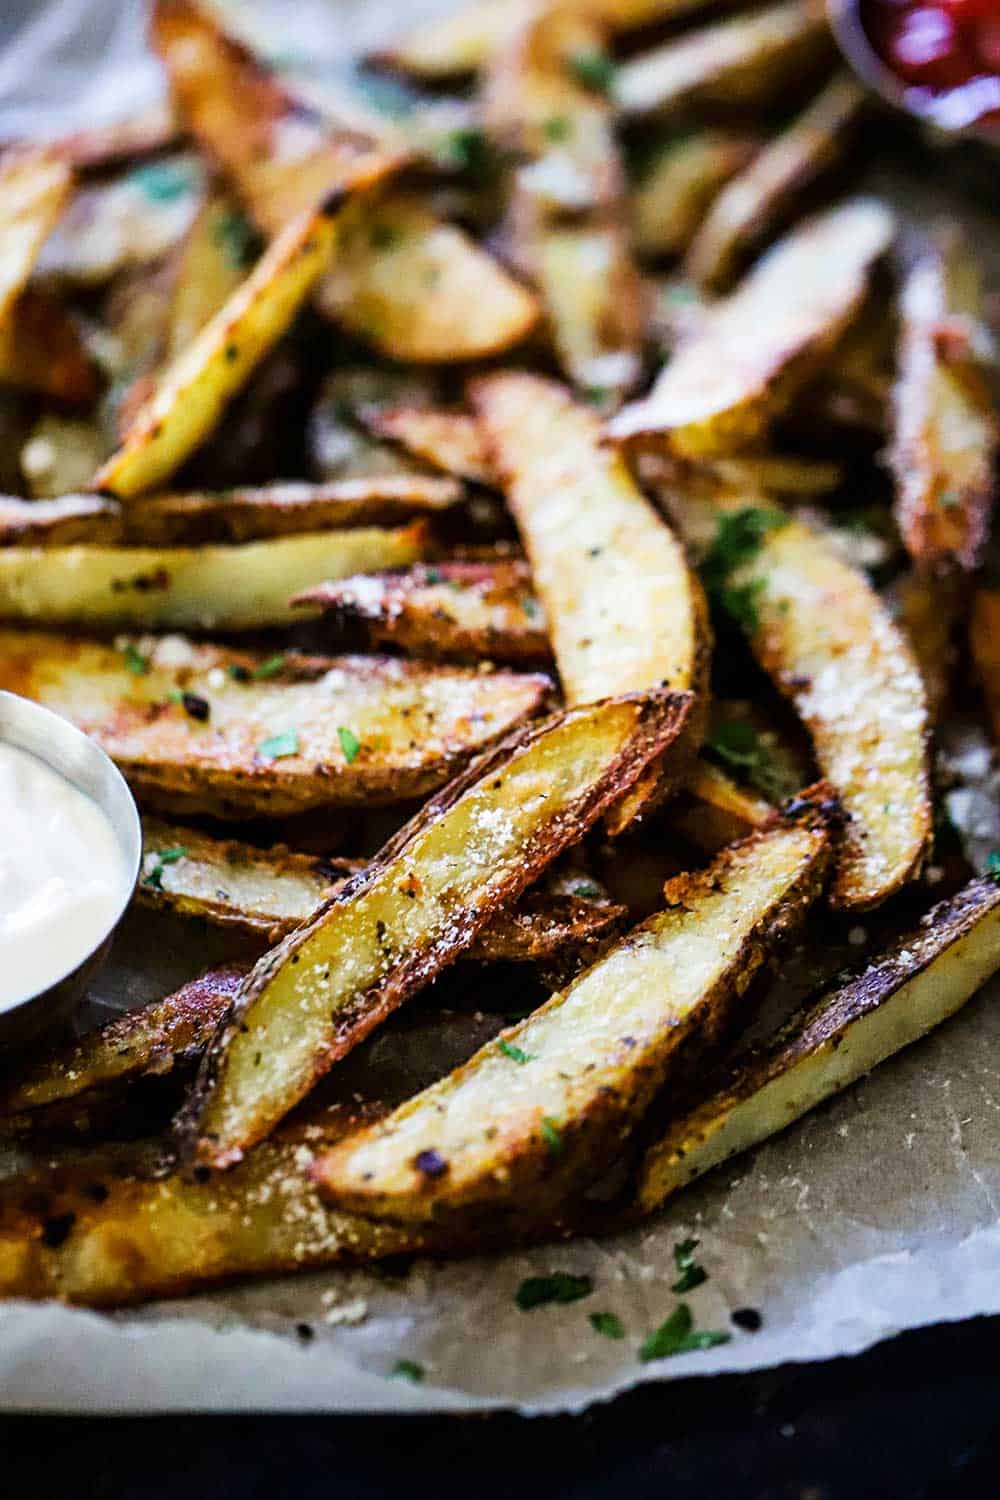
420 289
761 200
538 1114
673 196
747 59
419 905
59 523
192 392
721 389
624 610
34 186
922 980
63 1089
830 645
448 440
945 431
245 587
267 893
254 735
453 609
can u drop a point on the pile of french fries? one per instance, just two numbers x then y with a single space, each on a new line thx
515 515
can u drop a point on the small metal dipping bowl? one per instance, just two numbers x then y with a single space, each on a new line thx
28 726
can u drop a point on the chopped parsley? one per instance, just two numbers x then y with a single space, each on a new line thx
407 1369
279 745
235 236
268 668
238 672
384 237
349 743
163 181
678 1336
433 575
135 662
738 540
740 601
470 151
993 865
560 1286
594 69
737 743
514 1053
691 1274
586 890
557 128
607 1325
552 1137
164 857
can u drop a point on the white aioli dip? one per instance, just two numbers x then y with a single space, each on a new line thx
62 875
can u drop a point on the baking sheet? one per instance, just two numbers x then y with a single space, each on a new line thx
878 1212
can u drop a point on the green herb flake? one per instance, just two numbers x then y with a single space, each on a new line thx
175 695
689 1278
736 743
135 662
738 540
236 238
607 1325
407 1369
349 743
678 1336
552 1137
164 181
586 890
594 69
269 668
993 865
741 602
684 1253
279 746
470 151
384 237
514 1053
557 128
560 1286
433 575
164 857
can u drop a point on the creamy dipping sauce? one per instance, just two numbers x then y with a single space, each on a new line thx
63 875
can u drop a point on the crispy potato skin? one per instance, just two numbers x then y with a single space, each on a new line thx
514 1135
34 185
421 903
757 347
945 431
41 350
416 725
60 522
449 440
922 980
54 1089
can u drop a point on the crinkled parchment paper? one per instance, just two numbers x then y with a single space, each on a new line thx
877 1213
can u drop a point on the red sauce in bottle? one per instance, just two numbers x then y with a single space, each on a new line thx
946 54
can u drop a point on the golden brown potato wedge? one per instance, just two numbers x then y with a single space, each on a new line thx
945 430
244 587
252 735
192 392
921 981
41 350
674 195
594 301
419 289
62 1088
450 609
930 611
543 1110
419 905
451 441
714 810
58 523
984 643
267 893
722 387
822 634
34 186
761 200
747 59
106 1228
212 261
624 610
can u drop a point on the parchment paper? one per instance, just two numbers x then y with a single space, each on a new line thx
878 1212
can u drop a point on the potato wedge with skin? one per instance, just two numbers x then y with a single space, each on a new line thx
945 435
922 980
267 893
56 1088
59 523
416 908
624 610
930 612
747 59
716 810
34 186
41 350
450 609
761 199
819 630
594 301
105 1228
448 440
419 289
671 200
721 389
501 1133
275 743
984 645
191 395
245 587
